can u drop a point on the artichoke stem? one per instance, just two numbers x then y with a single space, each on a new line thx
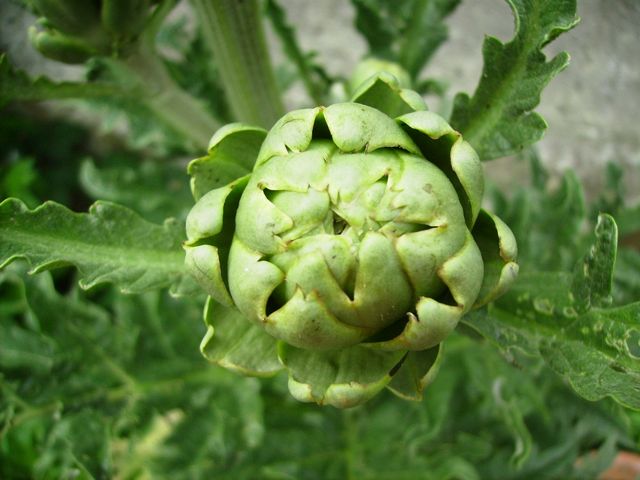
183 113
233 30
351 443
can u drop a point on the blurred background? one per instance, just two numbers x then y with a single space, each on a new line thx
591 107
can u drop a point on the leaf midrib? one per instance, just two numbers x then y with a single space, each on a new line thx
566 333
144 258
488 117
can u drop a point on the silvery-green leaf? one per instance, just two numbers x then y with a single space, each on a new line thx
596 349
498 119
593 276
108 244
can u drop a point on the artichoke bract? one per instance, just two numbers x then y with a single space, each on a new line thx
344 245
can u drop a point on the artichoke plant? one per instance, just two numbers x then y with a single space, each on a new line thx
344 245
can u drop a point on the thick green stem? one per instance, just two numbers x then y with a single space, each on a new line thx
182 112
233 30
350 435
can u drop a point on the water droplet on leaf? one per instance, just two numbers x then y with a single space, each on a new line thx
543 305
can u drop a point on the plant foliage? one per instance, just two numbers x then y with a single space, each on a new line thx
102 371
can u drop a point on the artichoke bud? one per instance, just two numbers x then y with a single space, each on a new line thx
346 226
60 47
355 245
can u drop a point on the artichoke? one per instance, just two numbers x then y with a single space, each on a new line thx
72 31
344 245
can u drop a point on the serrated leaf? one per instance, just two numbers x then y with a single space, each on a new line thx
593 276
557 317
596 351
16 85
115 370
499 119
604 358
109 244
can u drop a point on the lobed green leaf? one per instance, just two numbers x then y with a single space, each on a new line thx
499 120
128 395
560 318
593 276
111 400
108 244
